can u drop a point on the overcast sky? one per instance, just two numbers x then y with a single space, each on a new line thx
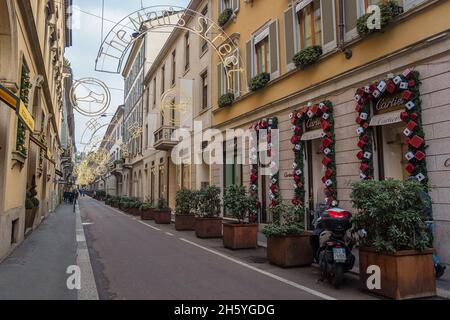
87 37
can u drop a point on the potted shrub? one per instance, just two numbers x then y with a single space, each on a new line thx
147 211
162 213
392 215
225 16
208 223
226 100
259 81
307 56
288 244
388 9
31 204
240 234
136 209
115 202
108 200
185 211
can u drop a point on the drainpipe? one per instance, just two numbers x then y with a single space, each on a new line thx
347 52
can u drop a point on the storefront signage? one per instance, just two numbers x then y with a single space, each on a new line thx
388 104
25 116
313 124
9 98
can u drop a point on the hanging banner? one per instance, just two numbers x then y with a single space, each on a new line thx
9 98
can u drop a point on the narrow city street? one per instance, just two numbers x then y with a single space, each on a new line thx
133 259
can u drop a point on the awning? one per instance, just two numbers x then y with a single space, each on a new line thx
302 4
386 118
312 135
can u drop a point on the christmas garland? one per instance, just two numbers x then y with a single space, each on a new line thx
21 130
324 110
408 84
275 196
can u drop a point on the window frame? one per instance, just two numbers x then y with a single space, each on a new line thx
204 89
187 51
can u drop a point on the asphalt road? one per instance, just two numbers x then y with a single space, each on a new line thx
132 259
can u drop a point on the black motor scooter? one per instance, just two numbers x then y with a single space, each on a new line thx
332 249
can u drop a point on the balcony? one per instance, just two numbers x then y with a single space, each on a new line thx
117 168
163 138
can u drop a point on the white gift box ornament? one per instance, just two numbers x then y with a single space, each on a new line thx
309 104
362 176
420 177
310 114
364 116
357 98
329 183
294 166
270 122
274 181
404 85
323 135
326 116
407 73
407 132
298 172
298 147
409 156
410 105
367 89
376 93
367 155
360 131
382 86
321 105
397 80
291 115
327 151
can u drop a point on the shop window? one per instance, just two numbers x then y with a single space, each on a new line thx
203 42
309 21
228 4
262 55
229 75
174 67
232 167
187 51
163 79
204 88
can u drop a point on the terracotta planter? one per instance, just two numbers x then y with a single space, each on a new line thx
404 275
290 251
163 216
240 236
148 214
184 222
208 228
136 212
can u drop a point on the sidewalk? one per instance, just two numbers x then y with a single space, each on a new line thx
37 268
443 284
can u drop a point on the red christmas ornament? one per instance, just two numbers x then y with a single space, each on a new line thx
360 155
412 125
391 87
254 178
324 179
274 203
365 138
295 139
414 116
327 142
293 120
359 120
325 109
361 144
366 126
325 125
404 116
329 173
300 185
264 124
358 108
315 109
326 161
407 141
420 155
410 168
298 130
274 189
372 88
411 83
416 142
296 202
297 178
407 95
364 167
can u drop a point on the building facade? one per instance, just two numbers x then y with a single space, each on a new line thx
33 37
350 67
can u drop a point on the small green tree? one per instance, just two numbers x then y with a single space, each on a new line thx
237 201
209 202
392 214
287 221
185 202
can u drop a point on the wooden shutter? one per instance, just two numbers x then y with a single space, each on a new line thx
274 50
220 80
237 77
236 5
328 24
289 38
350 15
249 60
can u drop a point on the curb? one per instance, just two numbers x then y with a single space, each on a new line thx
88 289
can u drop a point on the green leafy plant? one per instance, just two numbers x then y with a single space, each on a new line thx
162 204
260 81
25 87
226 100
389 10
307 56
238 202
392 214
225 16
287 221
209 204
31 200
147 206
186 203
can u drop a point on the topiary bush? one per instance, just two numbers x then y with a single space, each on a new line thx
392 213
225 16
226 100
185 202
307 56
238 202
287 221
209 204
259 81
389 10
162 204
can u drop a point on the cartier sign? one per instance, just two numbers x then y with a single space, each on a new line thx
388 104
313 124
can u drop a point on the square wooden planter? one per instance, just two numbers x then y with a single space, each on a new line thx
163 216
404 275
148 214
290 251
240 236
184 222
208 228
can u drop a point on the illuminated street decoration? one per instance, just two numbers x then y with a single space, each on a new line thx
90 97
121 37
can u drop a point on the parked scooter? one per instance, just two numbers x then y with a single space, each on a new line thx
331 245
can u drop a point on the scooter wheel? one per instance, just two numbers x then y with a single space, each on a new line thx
338 278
